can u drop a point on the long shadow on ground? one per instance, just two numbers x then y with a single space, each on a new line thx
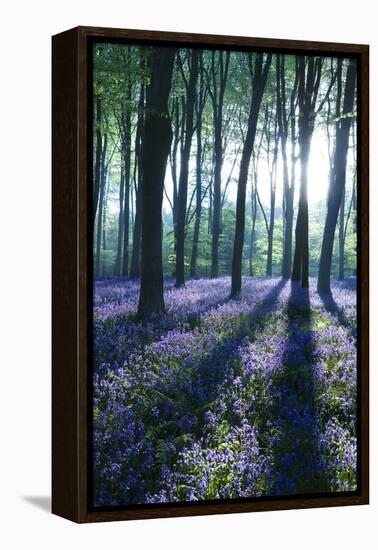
332 307
182 404
296 447
125 333
212 367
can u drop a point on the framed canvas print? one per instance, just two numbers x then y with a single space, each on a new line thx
210 274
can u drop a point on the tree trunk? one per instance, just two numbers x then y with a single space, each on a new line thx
253 228
137 231
308 87
288 187
117 264
216 206
337 183
289 218
126 221
301 254
273 183
260 75
217 99
101 205
105 209
137 235
98 154
197 221
104 217
341 237
177 137
126 122
184 171
289 195
155 149
269 260
252 247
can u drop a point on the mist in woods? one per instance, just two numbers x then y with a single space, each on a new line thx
224 258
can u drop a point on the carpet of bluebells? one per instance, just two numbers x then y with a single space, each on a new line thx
223 399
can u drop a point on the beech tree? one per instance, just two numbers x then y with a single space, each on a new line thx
126 146
102 185
156 145
309 74
98 157
200 102
217 75
137 230
259 75
286 127
117 265
272 143
242 130
338 173
190 85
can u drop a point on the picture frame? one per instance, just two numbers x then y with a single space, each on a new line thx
72 278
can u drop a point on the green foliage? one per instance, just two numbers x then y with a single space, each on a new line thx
119 72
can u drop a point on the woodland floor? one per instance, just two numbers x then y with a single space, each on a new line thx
224 399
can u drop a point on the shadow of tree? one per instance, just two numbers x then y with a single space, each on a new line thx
182 405
296 443
332 307
184 398
109 334
212 367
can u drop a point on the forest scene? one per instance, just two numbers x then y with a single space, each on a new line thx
224 274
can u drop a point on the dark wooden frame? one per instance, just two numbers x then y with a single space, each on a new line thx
70 272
